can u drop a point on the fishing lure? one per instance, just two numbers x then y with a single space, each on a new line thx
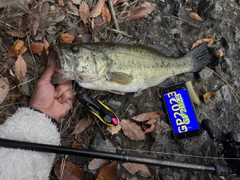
99 109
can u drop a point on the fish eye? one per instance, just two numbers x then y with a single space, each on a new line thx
74 49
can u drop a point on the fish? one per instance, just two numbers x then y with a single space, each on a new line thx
122 68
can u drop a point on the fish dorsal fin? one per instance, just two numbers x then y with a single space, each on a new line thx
122 40
161 48
119 78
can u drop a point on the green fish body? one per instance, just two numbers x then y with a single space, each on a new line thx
121 68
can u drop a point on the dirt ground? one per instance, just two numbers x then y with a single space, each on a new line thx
169 24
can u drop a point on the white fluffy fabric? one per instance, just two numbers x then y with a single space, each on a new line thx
32 126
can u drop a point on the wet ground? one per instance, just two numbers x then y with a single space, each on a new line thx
170 25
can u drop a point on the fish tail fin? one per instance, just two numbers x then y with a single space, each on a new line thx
201 56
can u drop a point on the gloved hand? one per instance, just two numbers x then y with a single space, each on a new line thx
55 102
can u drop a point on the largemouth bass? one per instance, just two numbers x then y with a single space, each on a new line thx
121 68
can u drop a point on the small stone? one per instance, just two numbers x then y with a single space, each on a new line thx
237 84
114 104
205 73
100 145
225 93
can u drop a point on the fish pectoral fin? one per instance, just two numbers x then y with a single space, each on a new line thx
119 78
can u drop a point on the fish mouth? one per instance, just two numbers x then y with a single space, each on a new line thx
65 69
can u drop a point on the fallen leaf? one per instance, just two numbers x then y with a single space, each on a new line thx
66 38
219 53
195 16
152 123
96 163
82 125
44 57
114 1
140 11
114 129
20 68
4 88
208 95
132 130
77 2
70 171
106 15
15 94
200 41
72 7
46 43
60 2
84 12
16 33
18 48
96 11
108 172
133 168
146 116
37 47
77 145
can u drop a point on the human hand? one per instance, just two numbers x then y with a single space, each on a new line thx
55 102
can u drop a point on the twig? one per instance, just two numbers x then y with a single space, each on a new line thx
119 32
236 96
25 82
113 14
186 21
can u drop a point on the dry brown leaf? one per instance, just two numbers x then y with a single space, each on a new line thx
146 116
208 95
114 1
16 33
44 57
84 12
72 7
82 125
106 15
96 11
195 16
20 68
4 88
114 129
18 48
46 43
108 172
96 163
15 94
200 41
60 2
77 2
66 38
152 123
140 11
140 168
70 172
132 130
77 145
37 47
219 53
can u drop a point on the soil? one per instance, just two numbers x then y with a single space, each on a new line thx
168 24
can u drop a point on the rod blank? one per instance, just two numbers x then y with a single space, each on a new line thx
102 155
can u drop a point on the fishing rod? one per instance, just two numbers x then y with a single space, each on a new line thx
230 151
